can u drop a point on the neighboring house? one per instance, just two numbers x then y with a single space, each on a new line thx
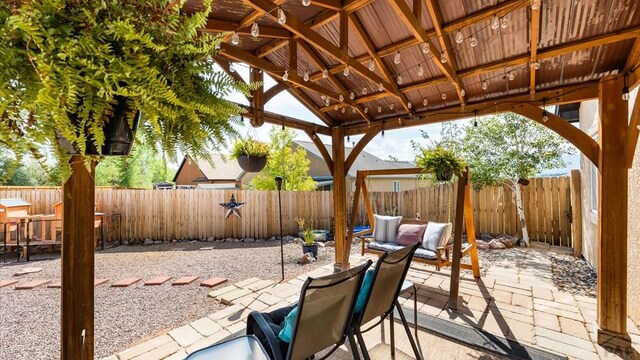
589 121
230 175
224 174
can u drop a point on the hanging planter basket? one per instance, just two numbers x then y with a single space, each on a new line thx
444 175
250 163
118 135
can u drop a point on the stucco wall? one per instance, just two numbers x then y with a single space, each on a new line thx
589 123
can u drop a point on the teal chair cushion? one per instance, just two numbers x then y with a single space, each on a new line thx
289 322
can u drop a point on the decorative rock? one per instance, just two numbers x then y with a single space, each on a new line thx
125 242
259 240
483 245
495 244
174 241
507 242
330 244
193 242
147 242
273 238
158 242
211 239
306 259
237 240
485 237
229 239
249 240
321 244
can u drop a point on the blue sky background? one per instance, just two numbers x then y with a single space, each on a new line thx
396 143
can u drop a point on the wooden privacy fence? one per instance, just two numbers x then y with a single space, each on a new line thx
196 214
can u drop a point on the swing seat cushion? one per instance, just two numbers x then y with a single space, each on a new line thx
391 246
436 235
385 228
409 234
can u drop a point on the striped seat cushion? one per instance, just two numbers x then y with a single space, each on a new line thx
385 228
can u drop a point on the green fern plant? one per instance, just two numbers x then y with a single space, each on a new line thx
249 147
63 64
440 161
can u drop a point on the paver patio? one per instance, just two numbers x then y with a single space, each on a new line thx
516 299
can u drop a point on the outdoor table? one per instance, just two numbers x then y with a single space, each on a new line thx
246 347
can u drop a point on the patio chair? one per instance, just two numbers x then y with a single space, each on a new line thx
388 276
325 313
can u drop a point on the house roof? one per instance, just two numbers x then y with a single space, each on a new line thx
364 161
219 170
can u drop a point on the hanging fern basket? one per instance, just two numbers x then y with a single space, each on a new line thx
444 175
118 134
251 163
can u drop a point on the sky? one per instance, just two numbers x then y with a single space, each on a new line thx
396 143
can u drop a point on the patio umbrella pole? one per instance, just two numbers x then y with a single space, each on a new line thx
279 187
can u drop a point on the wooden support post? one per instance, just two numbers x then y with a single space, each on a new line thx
612 216
78 246
339 200
576 213
257 97
457 242
471 231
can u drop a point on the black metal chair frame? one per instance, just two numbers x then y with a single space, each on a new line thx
346 333
357 321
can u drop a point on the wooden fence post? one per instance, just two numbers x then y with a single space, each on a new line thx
576 213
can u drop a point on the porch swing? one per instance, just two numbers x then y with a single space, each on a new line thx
445 255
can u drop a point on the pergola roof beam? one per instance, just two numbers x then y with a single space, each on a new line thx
265 31
305 32
533 47
276 119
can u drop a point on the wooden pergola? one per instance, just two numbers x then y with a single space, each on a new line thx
366 66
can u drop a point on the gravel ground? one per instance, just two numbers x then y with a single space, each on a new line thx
30 319
573 275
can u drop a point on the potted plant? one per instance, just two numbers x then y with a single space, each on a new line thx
309 244
81 76
440 161
251 154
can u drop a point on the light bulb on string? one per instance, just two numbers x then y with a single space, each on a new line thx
475 118
426 49
366 110
353 109
372 64
235 38
255 30
352 95
335 107
323 97
444 96
391 107
473 42
495 22
425 102
342 110
306 75
625 93
462 92
535 4
341 98
325 73
365 90
218 46
380 87
379 109
545 115
232 68
399 80
485 85
511 76
459 37
346 71
443 58
282 18
504 22
535 65
409 105
348 139
382 134
327 102
396 58
285 77
420 70
306 2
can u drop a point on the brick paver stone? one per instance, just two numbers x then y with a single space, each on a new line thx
185 335
226 289
268 299
566 349
31 284
259 285
180 355
542 293
160 352
99 282
185 280
226 312
573 327
246 282
126 282
4 283
522 300
158 280
213 282
229 297
144 347
565 338
210 340
546 320
205 326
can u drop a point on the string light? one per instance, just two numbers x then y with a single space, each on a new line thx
285 77
495 22
391 107
365 91
382 134
352 95
313 135
443 58
341 98
335 107
545 115
348 139
444 96
306 2
473 42
475 118
459 37
327 102
372 64
399 79
409 105
366 110
353 109
232 68
342 110
504 22
255 30
396 58
535 4
462 92
306 75
323 97
218 46
325 73
380 87
625 90
379 109
426 49
235 38
425 102
346 71
485 85
420 70
282 18
511 76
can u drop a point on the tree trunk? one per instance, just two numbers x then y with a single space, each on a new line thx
523 220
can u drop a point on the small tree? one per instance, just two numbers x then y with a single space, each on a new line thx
292 164
505 148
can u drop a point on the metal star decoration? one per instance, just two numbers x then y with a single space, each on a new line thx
232 207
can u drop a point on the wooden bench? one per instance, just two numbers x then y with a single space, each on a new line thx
443 253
